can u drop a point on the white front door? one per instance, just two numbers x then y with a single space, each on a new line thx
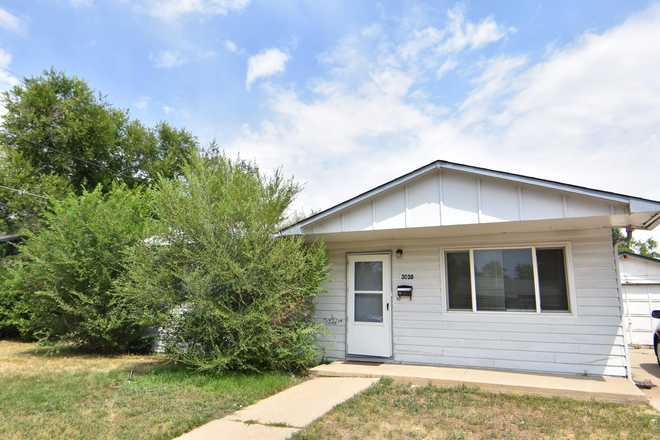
369 328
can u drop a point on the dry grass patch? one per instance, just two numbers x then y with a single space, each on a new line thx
29 358
72 395
396 411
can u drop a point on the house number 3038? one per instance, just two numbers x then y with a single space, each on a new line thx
407 276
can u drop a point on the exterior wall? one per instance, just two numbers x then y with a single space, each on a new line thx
588 340
640 281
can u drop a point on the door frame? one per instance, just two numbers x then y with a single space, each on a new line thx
387 284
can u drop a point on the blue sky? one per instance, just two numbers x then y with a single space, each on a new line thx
347 95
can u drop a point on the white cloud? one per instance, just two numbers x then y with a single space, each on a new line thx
596 101
458 34
392 81
170 10
82 3
167 59
7 80
170 110
495 81
206 54
464 33
264 64
5 58
587 112
419 41
142 102
11 22
372 30
448 65
231 46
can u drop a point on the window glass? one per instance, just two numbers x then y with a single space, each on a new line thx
369 307
369 275
504 280
552 280
459 285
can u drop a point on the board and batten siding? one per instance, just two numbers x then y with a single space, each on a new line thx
588 341
453 198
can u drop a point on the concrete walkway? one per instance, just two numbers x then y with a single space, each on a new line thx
282 414
607 389
645 368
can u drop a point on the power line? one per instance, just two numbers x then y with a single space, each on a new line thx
13 73
20 209
81 160
21 192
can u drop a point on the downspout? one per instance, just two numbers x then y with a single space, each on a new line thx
629 233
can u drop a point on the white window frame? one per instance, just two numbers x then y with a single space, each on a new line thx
568 266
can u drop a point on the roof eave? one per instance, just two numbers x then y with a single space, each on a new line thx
635 204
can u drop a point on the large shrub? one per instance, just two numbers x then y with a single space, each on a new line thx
61 289
226 292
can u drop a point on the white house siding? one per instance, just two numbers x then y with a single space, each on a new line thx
588 341
453 198
640 280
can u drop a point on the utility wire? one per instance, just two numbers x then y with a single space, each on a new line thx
13 73
24 192
20 209
81 160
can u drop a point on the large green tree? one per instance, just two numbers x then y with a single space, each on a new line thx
59 134
228 293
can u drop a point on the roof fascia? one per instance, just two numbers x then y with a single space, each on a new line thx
531 181
641 257
653 222
362 197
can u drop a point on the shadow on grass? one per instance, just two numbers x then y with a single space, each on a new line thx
71 355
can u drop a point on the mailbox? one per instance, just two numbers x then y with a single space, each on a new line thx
404 291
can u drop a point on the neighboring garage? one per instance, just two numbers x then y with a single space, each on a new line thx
640 280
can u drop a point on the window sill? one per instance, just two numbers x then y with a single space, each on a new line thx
499 313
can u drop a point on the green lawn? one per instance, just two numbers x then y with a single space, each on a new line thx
77 396
394 411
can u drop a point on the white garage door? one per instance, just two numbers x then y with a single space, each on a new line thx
638 302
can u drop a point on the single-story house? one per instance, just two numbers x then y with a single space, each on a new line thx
456 265
640 282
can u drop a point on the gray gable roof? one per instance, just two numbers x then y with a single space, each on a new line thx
618 203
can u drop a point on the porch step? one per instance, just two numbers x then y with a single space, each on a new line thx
601 388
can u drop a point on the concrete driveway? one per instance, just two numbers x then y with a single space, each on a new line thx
645 367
